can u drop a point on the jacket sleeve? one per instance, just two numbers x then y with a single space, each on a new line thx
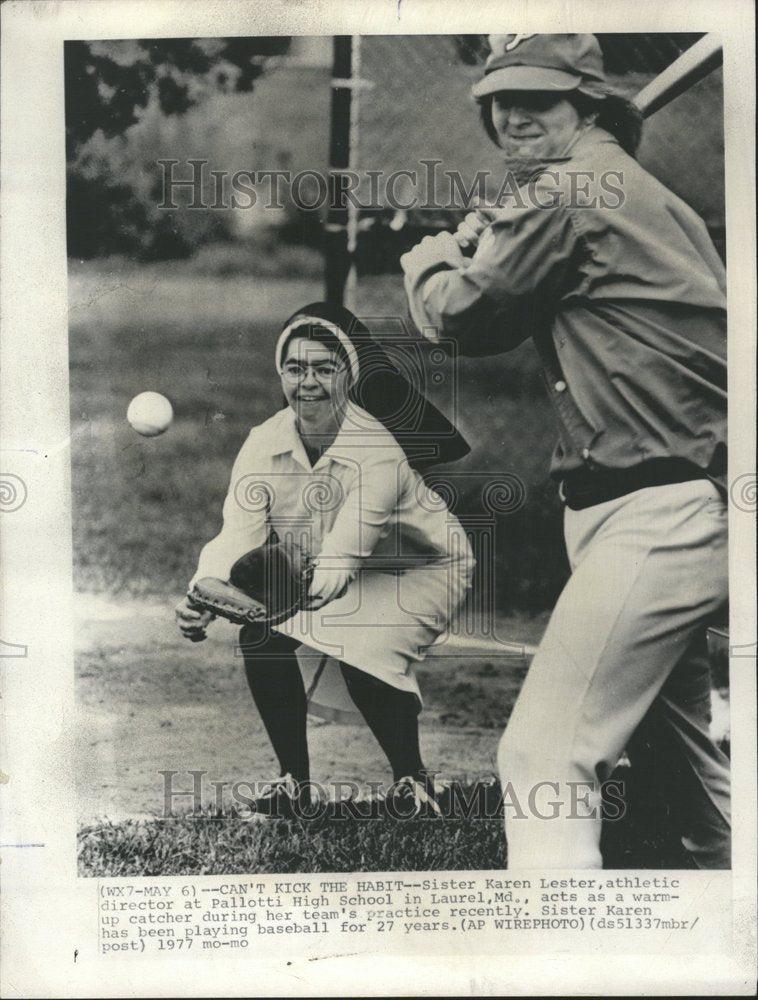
370 502
525 261
245 513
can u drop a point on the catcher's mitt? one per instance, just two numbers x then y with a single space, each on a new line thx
267 584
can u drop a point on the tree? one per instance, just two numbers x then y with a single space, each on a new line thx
108 86
108 82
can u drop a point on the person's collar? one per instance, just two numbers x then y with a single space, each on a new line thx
359 430
357 425
287 440
593 136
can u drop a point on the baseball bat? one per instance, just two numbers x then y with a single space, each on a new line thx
692 66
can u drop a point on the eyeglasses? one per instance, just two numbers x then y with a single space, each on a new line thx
324 371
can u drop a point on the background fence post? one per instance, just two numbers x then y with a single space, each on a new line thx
337 263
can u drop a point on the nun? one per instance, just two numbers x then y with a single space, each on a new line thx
337 471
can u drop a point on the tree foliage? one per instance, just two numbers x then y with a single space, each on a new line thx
108 86
107 83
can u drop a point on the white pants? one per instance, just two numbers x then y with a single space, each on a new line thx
623 660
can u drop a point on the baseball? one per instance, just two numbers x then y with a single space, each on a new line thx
150 413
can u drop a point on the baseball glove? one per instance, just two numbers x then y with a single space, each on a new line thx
267 584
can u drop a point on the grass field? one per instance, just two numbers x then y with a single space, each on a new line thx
224 846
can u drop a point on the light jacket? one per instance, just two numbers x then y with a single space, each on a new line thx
620 286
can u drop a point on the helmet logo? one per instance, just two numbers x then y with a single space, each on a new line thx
517 40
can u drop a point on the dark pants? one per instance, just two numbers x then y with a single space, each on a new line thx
276 684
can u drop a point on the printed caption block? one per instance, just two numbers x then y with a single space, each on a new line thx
660 911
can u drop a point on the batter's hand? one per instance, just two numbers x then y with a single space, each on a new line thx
192 621
468 232
431 252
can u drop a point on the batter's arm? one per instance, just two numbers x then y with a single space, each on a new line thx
491 302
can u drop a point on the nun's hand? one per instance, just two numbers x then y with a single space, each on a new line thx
192 621
327 585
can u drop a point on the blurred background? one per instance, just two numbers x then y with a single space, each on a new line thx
188 301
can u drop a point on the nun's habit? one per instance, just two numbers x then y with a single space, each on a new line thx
361 508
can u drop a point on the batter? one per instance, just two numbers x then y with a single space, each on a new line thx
624 297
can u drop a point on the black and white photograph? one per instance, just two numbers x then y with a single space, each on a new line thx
396 495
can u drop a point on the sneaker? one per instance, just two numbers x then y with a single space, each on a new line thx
411 799
282 799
